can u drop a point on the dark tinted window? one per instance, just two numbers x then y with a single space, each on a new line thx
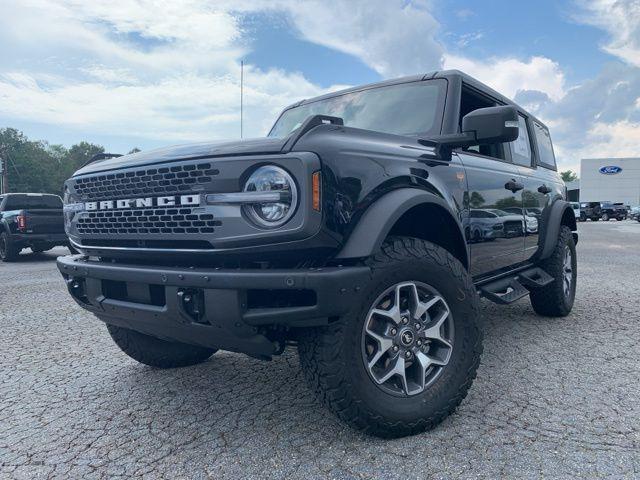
547 158
34 202
405 109
470 101
521 146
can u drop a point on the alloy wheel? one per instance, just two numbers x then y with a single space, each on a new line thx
407 338
567 272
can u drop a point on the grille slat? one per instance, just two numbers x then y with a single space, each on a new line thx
154 221
146 181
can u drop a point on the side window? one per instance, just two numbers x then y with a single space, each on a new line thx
521 146
545 148
470 101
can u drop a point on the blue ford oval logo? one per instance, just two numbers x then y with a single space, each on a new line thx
610 170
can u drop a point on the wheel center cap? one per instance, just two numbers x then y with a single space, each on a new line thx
407 337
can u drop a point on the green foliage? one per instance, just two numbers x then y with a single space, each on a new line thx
36 166
569 176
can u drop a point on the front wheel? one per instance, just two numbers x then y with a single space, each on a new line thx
556 299
155 352
402 360
605 217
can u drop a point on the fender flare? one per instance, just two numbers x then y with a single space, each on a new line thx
377 221
552 223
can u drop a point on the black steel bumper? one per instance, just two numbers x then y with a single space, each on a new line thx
152 300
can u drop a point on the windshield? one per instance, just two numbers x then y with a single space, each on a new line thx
35 202
404 109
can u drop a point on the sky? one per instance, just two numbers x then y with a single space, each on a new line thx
140 73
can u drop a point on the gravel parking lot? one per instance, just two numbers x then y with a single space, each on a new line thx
553 397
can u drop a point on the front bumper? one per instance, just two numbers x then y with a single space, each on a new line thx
151 300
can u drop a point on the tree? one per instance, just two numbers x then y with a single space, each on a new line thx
36 166
134 150
569 176
476 200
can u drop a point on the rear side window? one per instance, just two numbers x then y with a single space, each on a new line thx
545 148
521 146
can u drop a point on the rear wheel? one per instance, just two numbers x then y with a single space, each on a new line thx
405 357
155 352
8 252
556 299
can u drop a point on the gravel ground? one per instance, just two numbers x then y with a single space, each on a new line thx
553 398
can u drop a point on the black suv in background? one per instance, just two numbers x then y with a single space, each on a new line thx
362 230
609 210
30 220
590 210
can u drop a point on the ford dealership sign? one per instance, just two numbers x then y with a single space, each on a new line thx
610 170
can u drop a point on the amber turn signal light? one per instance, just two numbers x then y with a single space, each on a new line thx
315 189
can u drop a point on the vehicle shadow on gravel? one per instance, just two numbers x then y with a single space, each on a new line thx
232 397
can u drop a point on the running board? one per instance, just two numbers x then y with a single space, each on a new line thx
511 289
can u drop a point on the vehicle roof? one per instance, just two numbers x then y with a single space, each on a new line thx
468 79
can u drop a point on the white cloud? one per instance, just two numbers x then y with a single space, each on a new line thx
158 70
393 37
509 75
621 20
169 71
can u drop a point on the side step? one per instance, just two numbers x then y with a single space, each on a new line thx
511 289
535 278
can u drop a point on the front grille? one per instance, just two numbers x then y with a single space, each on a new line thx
148 181
152 221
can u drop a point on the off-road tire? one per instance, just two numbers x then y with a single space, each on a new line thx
155 352
551 301
8 252
331 357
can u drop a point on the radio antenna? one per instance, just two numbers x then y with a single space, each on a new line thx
241 97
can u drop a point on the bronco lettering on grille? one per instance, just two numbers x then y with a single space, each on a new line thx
190 200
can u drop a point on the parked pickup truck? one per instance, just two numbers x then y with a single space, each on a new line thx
355 231
30 220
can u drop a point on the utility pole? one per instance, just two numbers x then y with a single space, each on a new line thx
241 97
4 170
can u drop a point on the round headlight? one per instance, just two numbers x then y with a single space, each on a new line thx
274 180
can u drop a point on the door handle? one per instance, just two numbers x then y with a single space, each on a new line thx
544 189
513 186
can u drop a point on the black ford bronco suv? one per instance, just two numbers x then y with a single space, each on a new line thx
362 230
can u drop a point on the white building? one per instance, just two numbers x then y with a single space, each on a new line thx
610 179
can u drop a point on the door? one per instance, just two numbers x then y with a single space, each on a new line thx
541 181
495 225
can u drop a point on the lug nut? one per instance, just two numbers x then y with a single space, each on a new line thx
419 343
407 354
405 320
417 326
394 331
395 348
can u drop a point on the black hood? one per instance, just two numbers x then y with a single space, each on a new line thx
196 150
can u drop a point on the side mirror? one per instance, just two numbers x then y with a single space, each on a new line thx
481 127
492 125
